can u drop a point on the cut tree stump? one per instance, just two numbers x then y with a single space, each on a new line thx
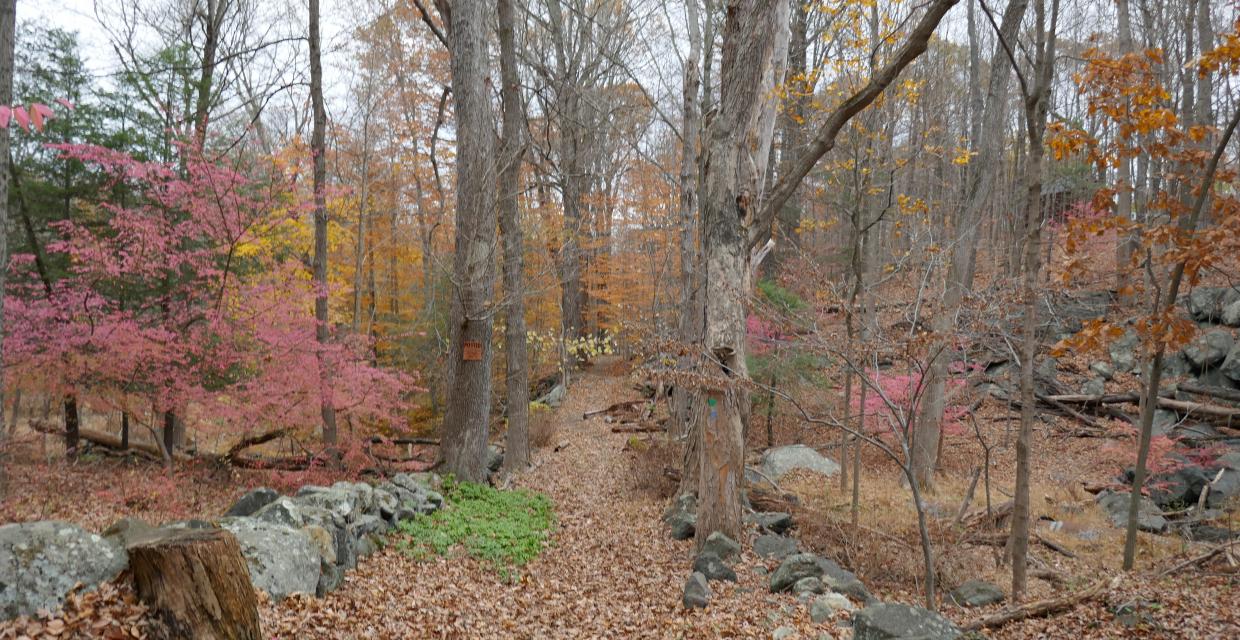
197 583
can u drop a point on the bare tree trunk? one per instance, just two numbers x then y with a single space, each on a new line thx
731 190
517 439
690 132
8 21
465 425
1036 109
213 22
925 449
318 148
1126 246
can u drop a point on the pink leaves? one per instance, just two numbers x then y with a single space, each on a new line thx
36 114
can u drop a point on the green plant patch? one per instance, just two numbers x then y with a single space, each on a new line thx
505 528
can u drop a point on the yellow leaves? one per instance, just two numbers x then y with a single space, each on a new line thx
963 156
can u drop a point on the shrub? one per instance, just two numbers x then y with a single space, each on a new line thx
507 529
542 425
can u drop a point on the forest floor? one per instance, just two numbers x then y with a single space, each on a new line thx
611 570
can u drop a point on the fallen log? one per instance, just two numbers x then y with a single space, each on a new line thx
403 441
627 404
1045 607
1213 392
108 440
254 441
1180 406
196 581
637 428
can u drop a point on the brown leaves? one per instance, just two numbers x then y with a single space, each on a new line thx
112 612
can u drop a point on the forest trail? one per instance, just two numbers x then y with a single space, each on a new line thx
610 572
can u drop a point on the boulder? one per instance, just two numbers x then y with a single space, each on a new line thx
342 503
712 566
282 560
388 505
1231 314
1164 422
809 585
1225 490
721 545
1176 365
330 579
1123 351
1102 370
794 568
891 621
282 511
783 633
843 581
781 460
826 606
769 545
368 526
41 561
697 593
363 495
681 516
774 522
1149 516
1094 387
323 541
251 502
495 458
1209 349
1206 304
127 532
1231 364
977 593
1179 489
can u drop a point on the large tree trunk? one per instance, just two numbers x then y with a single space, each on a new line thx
465 425
318 148
213 23
197 583
517 440
927 428
731 192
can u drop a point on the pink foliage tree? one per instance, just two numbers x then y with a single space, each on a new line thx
159 309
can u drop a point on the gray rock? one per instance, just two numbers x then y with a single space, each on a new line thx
282 560
1149 516
1209 349
1094 387
330 579
769 545
809 585
1176 365
368 526
192 523
977 593
1103 370
282 511
1231 314
721 545
127 532
681 516
1164 421
843 581
1180 488
555 397
775 522
1231 364
41 561
408 482
711 566
783 633
1225 490
364 546
826 606
251 502
387 504
1206 304
697 593
1123 351
363 496
495 458
891 621
341 503
323 541
781 460
794 568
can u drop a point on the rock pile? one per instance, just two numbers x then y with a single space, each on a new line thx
298 544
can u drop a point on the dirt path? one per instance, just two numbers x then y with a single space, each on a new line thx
612 571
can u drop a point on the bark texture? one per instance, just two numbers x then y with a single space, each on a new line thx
517 439
465 425
197 583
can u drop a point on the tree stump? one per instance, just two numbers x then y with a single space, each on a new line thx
198 584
